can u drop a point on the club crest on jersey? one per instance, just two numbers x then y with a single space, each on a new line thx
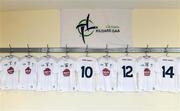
10 70
106 72
147 72
47 72
66 72
28 70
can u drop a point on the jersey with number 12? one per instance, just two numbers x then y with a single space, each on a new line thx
127 77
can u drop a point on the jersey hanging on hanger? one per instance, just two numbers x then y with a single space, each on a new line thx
28 73
146 69
47 74
107 77
127 76
9 72
66 74
178 74
87 68
167 74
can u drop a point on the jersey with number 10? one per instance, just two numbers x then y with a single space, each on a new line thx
127 77
167 74
87 68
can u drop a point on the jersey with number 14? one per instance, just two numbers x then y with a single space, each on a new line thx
87 68
167 74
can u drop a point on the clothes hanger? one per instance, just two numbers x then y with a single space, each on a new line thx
47 52
10 52
107 52
146 51
28 52
166 50
87 51
126 50
66 53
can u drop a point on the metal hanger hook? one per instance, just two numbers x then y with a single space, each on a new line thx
47 52
126 51
10 49
28 49
86 50
107 50
166 50
66 50
147 50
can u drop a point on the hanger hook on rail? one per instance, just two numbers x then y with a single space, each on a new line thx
166 50
107 50
10 50
126 50
86 51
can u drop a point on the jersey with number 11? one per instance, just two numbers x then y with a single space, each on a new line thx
87 67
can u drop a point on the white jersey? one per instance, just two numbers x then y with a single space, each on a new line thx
127 75
87 68
47 74
146 68
107 78
66 74
9 72
167 74
178 74
28 73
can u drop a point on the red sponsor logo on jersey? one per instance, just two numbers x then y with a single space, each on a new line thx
47 72
10 70
66 72
147 72
106 72
28 70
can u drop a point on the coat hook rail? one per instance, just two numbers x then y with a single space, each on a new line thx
92 50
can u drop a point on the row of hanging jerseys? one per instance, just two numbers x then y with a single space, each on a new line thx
89 74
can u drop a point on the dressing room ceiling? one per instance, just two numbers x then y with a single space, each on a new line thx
54 4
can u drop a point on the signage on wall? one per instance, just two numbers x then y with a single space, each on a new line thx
96 27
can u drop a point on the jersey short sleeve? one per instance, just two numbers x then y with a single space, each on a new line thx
47 74
178 73
87 68
167 74
9 73
146 73
28 73
107 77
127 75
66 74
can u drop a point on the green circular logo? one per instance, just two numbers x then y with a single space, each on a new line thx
86 31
